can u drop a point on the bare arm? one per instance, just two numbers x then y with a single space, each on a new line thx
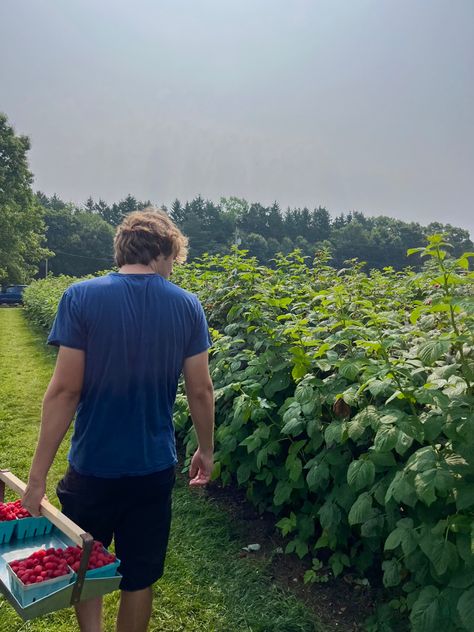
59 406
200 395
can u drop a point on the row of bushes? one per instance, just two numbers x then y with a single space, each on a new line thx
345 405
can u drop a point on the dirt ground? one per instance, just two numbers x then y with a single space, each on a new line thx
340 604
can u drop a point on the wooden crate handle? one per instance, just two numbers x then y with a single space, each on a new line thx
62 522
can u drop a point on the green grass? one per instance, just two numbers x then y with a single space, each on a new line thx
206 585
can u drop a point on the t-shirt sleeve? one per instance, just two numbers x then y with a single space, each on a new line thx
200 339
68 328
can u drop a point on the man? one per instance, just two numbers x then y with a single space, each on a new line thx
124 339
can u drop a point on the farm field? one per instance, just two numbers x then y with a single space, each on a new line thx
345 408
206 585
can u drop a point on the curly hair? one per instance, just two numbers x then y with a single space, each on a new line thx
145 235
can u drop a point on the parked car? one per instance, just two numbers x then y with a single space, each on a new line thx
12 295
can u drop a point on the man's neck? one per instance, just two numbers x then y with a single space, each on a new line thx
161 266
136 268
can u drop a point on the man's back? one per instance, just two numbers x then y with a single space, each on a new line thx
136 331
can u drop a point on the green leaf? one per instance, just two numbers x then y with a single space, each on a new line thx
380 387
412 251
465 608
465 497
282 493
334 432
382 459
441 553
464 549
216 471
287 525
386 438
349 369
391 573
401 537
425 486
394 539
299 370
278 382
304 393
338 561
361 510
373 528
294 467
262 457
423 459
329 515
360 474
362 420
293 426
426 611
401 490
243 472
462 579
317 476
433 350
301 548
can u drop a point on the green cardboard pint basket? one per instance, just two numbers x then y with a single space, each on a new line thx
51 530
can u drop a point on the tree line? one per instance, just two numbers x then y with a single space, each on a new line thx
40 233
82 236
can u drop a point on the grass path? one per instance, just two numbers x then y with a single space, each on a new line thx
206 586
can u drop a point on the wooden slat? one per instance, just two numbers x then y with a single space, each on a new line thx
62 522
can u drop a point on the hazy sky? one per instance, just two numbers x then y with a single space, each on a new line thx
351 104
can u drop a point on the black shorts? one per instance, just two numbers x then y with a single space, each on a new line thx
135 511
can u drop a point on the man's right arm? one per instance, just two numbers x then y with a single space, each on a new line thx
200 395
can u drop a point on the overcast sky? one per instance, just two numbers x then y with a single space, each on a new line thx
351 104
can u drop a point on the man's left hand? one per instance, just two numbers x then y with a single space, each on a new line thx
34 494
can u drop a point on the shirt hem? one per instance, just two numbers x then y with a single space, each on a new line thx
62 343
152 470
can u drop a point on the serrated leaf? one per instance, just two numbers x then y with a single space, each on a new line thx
304 393
426 610
394 539
433 350
465 608
373 527
401 537
294 467
391 573
243 472
287 525
386 438
465 497
380 387
301 548
317 475
423 459
361 510
334 432
360 474
278 382
329 515
441 553
282 493
262 457
425 486
382 459
216 471
293 426
349 369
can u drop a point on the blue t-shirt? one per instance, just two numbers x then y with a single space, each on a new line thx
136 331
